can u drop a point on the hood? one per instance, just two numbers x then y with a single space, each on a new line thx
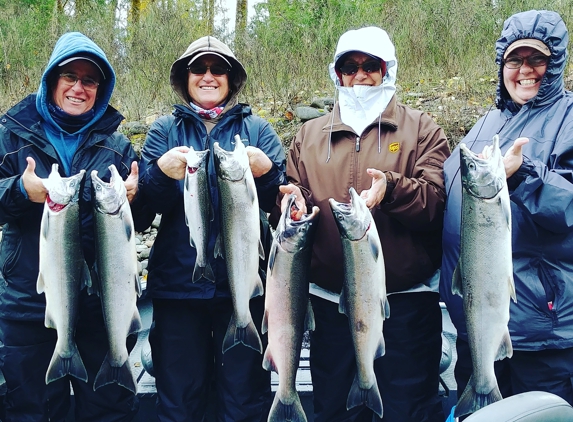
543 25
370 40
178 76
69 45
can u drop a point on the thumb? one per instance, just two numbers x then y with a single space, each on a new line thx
31 167
134 169
519 143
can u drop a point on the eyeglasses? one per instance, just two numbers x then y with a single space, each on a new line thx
515 62
71 79
368 67
201 69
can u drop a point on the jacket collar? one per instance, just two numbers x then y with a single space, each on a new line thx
387 119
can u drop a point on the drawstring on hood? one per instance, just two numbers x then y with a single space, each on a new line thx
361 105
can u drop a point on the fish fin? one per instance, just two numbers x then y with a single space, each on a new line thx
127 226
208 273
198 272
506 209
49 321
385 307
60 367
261 250
371 397
268 361
247 335
219 250
45 225
40 286
121 375
281 411
374 246
512 288
471 401
342 303
381 348
85 276
272 256
258 289
457 281
309 323
137 284
265 324
191 241
95 281
505 348
135 322
251 192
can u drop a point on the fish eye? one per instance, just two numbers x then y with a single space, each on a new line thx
472 166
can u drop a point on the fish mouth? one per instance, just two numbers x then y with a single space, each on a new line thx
54 206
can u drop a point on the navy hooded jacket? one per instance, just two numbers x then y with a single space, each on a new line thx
27 130
541 194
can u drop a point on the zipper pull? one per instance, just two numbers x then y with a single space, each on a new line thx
357 143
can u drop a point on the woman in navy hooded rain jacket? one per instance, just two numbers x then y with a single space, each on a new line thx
67 122
541 194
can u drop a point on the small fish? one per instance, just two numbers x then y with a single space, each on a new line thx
63 271
118 277
288 313
484 274
198 210
239 243
363 297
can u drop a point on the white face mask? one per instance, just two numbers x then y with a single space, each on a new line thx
361 104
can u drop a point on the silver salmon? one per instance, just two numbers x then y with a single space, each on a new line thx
198 210
118 277
363 297
288 313
484 274
239 241
63 271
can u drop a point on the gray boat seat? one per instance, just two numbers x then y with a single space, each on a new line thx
533 406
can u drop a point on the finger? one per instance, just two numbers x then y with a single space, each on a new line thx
375 174
31 167
134 169
519 143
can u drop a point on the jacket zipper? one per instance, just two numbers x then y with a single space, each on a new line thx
358 144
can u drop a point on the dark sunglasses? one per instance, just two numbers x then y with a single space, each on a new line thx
515 62
201 69
368 67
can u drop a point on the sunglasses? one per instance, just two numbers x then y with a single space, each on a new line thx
201 69
515 62
71 79
368 67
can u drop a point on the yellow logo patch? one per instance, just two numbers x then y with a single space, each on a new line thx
394 147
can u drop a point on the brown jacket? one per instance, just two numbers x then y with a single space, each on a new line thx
413 149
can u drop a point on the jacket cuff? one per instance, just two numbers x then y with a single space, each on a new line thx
527 168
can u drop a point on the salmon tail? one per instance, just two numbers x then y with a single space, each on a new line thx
60 367
247 335
471 401
505 348
135 325
287 412
121 375
200 271
371 397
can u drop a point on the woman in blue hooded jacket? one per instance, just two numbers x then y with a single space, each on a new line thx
531 103
70 123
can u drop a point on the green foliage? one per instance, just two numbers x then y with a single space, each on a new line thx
286 50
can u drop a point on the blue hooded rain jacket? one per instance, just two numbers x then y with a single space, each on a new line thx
541 194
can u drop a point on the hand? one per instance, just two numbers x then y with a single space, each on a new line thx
131 183
299 201
513 158
258 160
33 185
375 194
173 163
